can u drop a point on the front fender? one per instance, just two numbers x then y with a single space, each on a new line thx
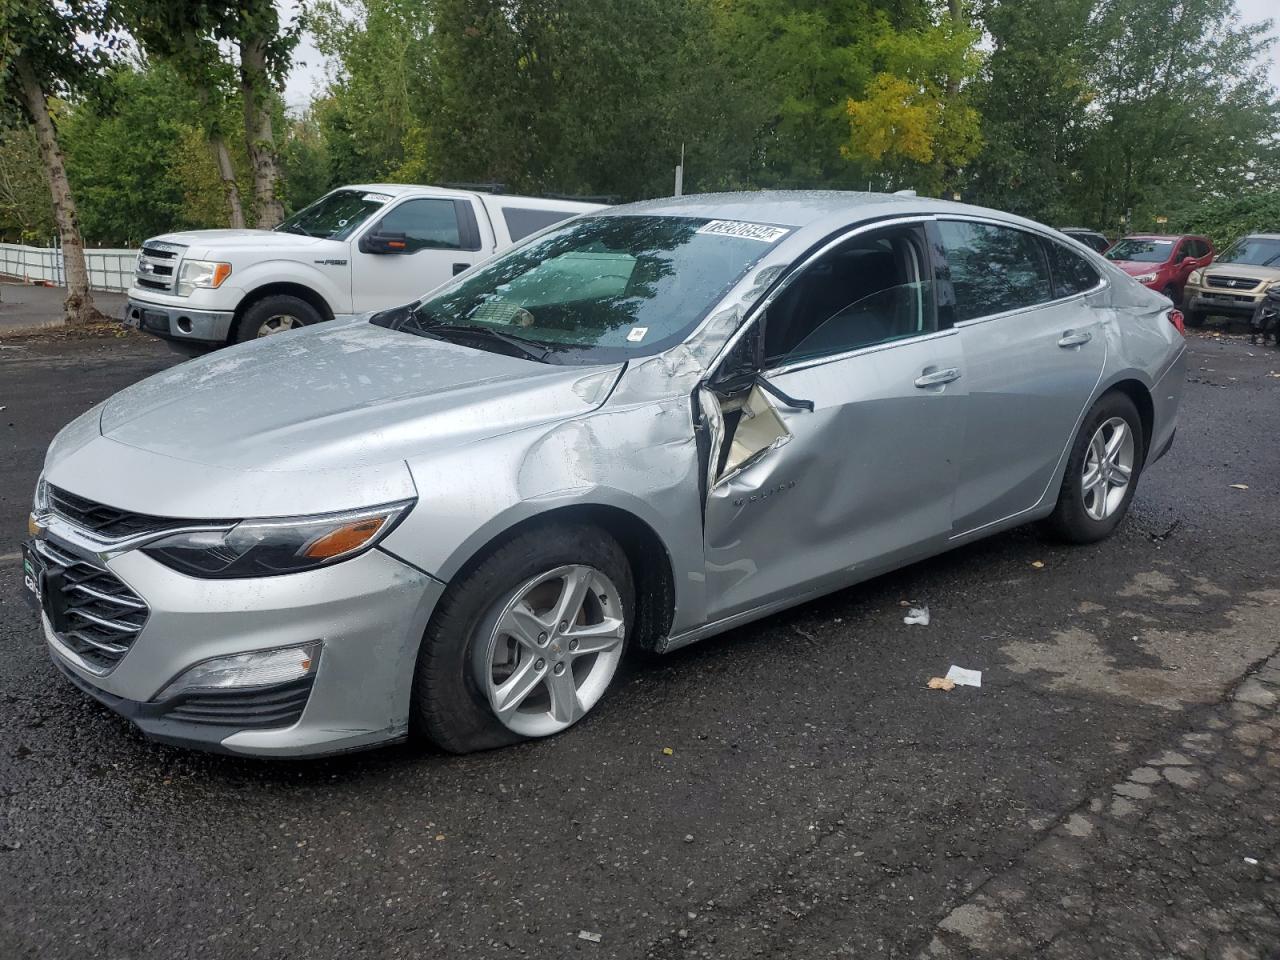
641 459
331 283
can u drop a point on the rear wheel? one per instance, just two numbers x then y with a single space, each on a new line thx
1102 472
525 643
278 313
1193 318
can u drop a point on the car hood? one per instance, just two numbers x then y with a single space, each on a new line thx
1244 270
1136 268
317 416
240 239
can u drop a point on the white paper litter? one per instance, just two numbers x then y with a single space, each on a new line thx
963 677
588 935
918 615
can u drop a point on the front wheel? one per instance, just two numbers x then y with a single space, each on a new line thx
278 313
525 643
1102 472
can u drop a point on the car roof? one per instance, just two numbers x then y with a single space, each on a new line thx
400 189
1261 236
1162 236
802 209
1079 230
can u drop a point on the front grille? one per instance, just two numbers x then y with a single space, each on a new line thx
1232 283
97 616
111 522
279 706
156 265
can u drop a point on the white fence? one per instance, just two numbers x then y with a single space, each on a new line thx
108 269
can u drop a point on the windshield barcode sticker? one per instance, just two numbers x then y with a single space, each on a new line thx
376 197
749 231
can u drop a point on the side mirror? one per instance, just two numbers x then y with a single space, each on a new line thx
383 243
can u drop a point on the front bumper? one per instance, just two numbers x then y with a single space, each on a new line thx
179 323
1211 300
368 612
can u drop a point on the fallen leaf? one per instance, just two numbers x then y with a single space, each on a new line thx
439 836
1239 486
667 751
1037 564
941 683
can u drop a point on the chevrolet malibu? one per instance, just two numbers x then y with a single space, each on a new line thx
638 428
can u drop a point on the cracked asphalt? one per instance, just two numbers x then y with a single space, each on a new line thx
817 801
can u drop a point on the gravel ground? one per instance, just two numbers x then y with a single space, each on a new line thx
818 799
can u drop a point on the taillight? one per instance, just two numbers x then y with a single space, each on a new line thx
1175 317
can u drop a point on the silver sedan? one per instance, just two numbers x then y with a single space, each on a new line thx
636 429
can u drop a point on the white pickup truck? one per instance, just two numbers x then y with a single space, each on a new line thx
358 248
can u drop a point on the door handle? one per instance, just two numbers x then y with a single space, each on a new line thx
937 378
1075 338
459 267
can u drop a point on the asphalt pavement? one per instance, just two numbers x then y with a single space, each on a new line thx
790 789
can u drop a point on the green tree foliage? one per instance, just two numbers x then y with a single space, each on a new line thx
26 215
1226 219
133 167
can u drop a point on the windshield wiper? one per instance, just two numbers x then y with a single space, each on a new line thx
529 349
296 228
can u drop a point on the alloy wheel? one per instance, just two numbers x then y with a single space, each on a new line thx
278 323
553 651
1108 467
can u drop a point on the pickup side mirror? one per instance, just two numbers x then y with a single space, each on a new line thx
383 243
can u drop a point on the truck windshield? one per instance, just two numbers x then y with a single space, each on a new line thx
335 215
1254 251
603 288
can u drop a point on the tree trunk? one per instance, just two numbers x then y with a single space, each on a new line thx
255 89
229 185
79 306
226 171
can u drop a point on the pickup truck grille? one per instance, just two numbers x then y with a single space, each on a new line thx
157 265
1232 283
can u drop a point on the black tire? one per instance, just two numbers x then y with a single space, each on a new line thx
448 706
1171 293
1193 318
1070 521
276 305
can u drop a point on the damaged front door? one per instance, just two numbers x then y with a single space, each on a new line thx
804 499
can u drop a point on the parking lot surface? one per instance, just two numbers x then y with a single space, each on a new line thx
790 789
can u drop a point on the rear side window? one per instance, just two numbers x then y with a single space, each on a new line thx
1072 274
994 269
522 221
426 225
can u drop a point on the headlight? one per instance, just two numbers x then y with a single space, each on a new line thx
1146 278
40 508
1195 277
269 548
201 274
40 499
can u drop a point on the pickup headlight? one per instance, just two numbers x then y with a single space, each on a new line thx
40 508
201 274
1146 277
269 548
1196 276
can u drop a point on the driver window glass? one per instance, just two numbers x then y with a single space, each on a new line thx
426 224
872 289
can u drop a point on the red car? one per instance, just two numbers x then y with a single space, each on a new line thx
1162 263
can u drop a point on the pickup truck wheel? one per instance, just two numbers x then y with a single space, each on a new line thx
1193 318
275 314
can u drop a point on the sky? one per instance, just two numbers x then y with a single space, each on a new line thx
308 71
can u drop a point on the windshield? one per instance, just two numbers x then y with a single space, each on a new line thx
604 288
335 215
1143 251
1254 251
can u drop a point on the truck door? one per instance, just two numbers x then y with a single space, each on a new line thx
414 247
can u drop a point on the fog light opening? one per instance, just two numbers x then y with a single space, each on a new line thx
184 324
261 668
